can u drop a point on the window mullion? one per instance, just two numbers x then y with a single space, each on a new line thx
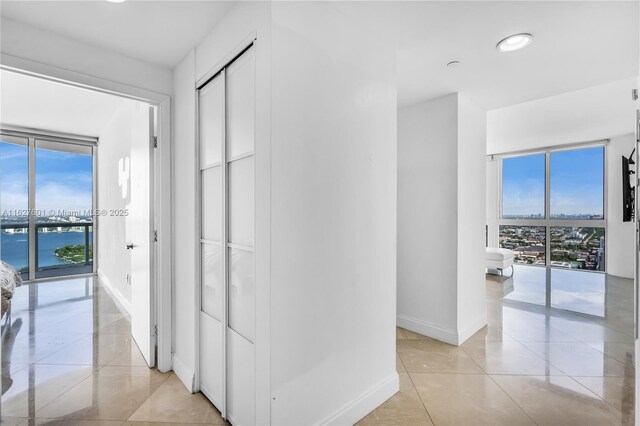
547 207
33 236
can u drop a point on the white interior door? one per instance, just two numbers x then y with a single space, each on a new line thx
139 231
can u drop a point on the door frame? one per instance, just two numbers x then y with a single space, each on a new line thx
161 209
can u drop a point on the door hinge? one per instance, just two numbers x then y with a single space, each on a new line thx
155 236
155 329
634 94
155 141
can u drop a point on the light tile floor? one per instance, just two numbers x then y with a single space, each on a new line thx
68 359
533 364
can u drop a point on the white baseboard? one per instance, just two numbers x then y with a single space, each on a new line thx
186 375
443 334
366 403
427 329
123 303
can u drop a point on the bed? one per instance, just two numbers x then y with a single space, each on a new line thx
9 280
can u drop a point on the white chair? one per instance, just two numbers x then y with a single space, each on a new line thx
500 259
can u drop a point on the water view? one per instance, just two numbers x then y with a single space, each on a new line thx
15 248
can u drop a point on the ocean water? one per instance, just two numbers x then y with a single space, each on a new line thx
14 248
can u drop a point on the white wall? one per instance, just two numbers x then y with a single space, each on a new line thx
472 139
244 21
599 112
593 113
620 235
33 44
441 187
325 203
333 198
184 238
427 203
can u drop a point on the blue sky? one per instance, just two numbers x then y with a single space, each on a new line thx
576 183
63 180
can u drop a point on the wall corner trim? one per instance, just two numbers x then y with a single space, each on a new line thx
475 326
451 337
427 329
121 302
367 402
186 375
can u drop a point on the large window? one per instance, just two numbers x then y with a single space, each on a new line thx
46 202
553 208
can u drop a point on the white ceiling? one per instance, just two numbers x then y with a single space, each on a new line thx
576 44
46 105
158 32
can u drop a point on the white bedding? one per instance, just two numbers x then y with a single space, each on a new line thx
9 278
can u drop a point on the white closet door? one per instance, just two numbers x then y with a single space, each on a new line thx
211 103
240 136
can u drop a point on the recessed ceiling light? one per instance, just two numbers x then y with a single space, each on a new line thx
453 64
116 1
515 42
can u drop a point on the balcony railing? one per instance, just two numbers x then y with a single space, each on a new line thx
52 258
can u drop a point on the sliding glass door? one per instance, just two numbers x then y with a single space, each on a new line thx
47 199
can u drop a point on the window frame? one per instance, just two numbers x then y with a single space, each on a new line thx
547 221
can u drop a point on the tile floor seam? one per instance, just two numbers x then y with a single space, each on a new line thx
629 363
61 349
416 389
583 375
93 335
514 401
62 394
473 359
420 398
91 418
597 396
128 419
96 369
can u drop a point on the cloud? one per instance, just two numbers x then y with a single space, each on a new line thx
54 195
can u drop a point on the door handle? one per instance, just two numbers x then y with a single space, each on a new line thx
129 246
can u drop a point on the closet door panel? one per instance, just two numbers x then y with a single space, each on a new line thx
211 215
211 360
212 280
240 105
211 122
241 373
241 202
242 293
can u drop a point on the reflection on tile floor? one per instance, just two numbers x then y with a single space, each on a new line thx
68 359
558 350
